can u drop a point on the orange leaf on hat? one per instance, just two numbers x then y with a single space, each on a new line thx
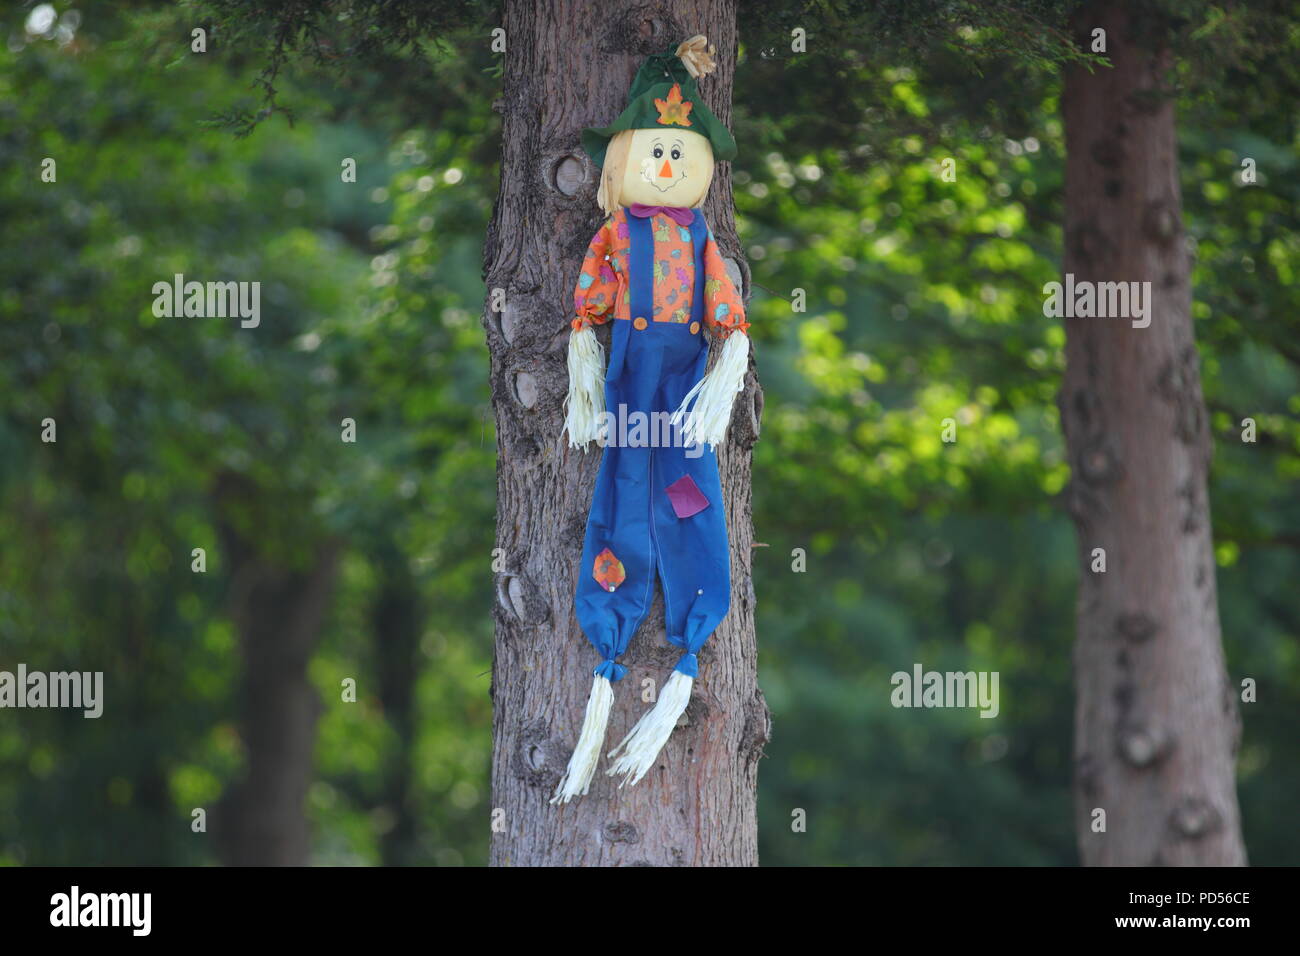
674 110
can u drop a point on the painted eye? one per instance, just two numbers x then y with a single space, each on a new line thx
659 152
677 153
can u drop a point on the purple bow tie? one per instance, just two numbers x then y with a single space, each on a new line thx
677 214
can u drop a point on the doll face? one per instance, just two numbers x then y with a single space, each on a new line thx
667 167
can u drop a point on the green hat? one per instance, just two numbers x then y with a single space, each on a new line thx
664 96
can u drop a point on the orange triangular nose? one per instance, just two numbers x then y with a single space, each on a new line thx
666 172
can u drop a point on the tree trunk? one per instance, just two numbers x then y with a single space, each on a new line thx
568 66
1156 723
278 613
397 621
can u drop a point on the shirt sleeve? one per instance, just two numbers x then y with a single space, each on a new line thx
597 290
724 312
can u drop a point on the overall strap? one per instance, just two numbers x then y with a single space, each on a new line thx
641 268
699 236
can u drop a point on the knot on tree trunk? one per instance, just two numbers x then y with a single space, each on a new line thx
645 29
1088 245
1195 817
1162 222
746 416
620 831
538 760
1098 463
520 598
1143 746
567 173
1107 152
1179 383
1136 627
758 727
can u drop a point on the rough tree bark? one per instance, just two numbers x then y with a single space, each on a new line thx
568 65
1156 722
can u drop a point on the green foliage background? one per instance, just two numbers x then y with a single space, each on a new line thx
923 303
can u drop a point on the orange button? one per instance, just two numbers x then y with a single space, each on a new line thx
695 328
639 323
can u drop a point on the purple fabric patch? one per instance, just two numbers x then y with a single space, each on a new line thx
686 497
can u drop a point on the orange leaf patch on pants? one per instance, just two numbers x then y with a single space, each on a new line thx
608 570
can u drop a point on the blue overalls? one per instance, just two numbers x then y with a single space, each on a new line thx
633 515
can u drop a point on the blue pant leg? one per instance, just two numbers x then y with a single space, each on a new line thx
620 507
619 521
694 552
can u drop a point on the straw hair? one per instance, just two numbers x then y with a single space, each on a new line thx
611 176
708 183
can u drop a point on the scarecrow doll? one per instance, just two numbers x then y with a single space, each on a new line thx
655 272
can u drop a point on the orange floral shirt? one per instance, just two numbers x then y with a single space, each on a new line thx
603 287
